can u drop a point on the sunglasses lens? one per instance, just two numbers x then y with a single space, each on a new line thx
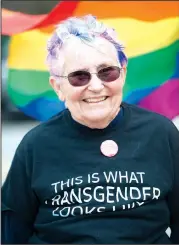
79 78
109 74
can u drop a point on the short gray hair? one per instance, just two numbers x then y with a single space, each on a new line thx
86 28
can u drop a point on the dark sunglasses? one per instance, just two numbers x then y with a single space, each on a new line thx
81 78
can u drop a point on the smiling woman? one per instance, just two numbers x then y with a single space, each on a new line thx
91 93
102 170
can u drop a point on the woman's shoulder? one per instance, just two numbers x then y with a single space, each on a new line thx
150 121
143 114
45 130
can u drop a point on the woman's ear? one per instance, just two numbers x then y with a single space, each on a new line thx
124 72
57 88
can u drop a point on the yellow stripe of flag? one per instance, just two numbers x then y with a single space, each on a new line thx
28 50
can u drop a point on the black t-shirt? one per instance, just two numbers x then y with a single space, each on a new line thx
67 191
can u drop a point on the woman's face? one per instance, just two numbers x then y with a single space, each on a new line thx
96 103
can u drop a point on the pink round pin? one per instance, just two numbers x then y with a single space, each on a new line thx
109 148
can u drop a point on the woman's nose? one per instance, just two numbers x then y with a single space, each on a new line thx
95 85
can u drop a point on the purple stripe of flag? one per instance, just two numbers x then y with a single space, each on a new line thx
164 100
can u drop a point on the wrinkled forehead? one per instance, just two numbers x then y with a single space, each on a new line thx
88 55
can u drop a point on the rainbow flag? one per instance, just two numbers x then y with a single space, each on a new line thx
148 29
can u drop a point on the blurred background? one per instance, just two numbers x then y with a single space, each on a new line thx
16 123
9 110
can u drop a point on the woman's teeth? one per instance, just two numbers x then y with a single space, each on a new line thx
95 100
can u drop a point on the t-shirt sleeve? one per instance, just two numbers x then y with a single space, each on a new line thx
13 229
17 192
173 198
